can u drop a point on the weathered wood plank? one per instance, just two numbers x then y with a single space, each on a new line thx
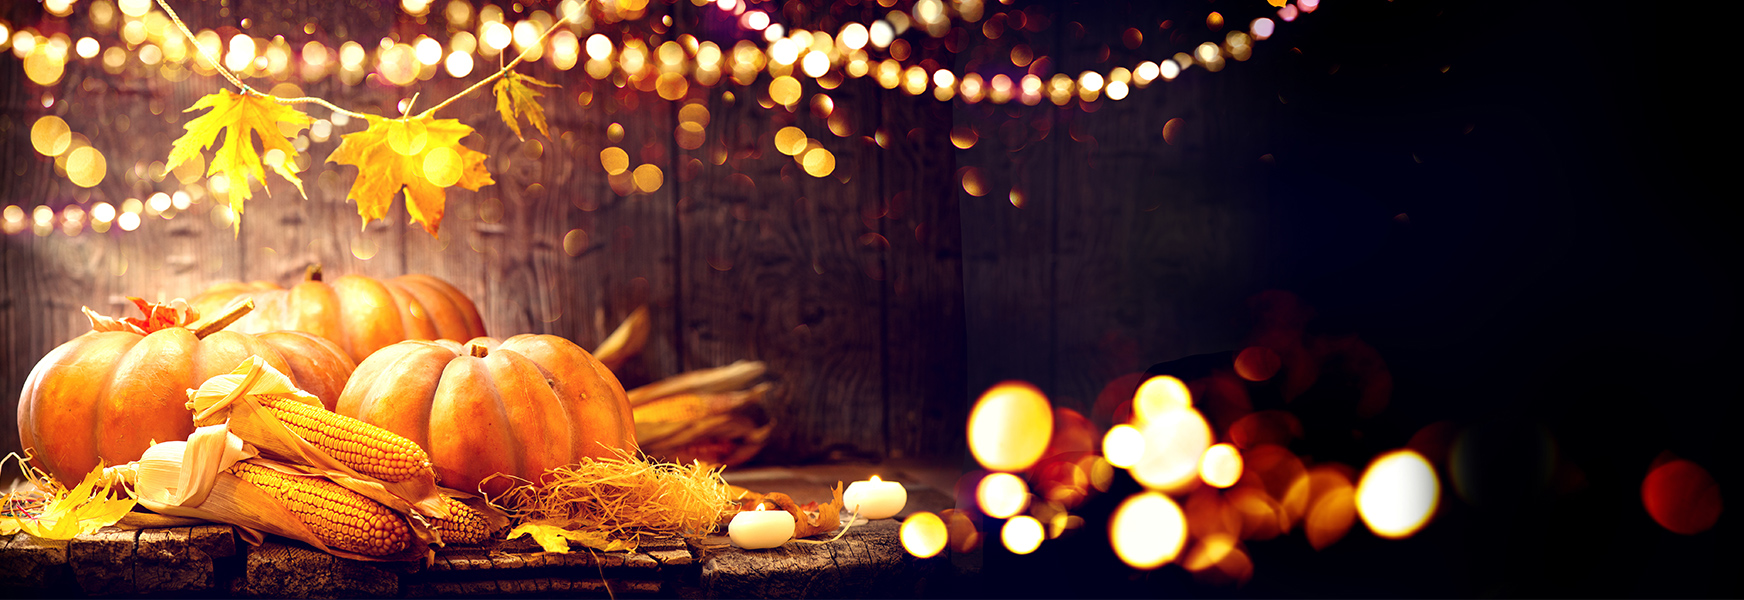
275 569
924 331
869 562
773 269
30 563
103 562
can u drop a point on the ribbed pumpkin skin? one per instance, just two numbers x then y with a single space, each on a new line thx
360 314
108 394
532 403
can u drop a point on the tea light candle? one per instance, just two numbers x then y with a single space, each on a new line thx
875 498
758 529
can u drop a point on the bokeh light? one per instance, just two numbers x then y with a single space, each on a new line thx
1398 494
1147 530
1159 395
1022 535
1010 426
1001 495
1174 443
1123 445
1681 496
924 535
1221 466
1257 363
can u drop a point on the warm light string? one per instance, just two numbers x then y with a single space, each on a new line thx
744 68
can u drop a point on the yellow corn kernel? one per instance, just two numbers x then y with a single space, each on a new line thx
339 517
463 525
365 448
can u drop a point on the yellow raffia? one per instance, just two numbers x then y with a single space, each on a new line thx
627 497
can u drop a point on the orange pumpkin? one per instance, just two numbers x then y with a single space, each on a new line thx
360 314
107 394
519 407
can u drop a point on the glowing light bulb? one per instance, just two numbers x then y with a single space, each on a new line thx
1221 466
1010 426
924 535
1002 495
1022 535
1397 494
1148 530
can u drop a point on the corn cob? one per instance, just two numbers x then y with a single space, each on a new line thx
463 526
365 448
339 517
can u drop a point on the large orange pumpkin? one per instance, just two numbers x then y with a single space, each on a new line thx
107 394
519 407
360 314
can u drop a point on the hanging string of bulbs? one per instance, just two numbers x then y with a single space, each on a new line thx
147 39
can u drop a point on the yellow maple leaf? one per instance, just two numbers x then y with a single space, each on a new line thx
553 538
241 117
421 154
514 96
82 510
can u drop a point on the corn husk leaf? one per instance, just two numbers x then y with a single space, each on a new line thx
627 341
65 514
237 397
228 499
554 538
736 376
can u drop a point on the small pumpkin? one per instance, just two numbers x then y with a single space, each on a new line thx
518 407
107 394
359 313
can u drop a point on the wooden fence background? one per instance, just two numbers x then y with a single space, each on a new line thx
884 297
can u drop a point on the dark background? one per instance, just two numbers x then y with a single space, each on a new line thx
1533 240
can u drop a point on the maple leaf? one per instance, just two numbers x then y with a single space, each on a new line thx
421 155
241 117
553 538
82 510
514 96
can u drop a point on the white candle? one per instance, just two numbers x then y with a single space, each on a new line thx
756 529
875 499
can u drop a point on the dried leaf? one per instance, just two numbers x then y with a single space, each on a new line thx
82 510
176 313
828 518
556 539
241 116
514 96
421 155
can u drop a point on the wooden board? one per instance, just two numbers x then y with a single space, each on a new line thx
863 336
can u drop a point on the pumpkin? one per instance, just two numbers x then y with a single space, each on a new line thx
360 314
107 394
518 407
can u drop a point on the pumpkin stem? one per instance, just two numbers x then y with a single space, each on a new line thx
223 319
313 273
479 350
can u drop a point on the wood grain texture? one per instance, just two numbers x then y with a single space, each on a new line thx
850 285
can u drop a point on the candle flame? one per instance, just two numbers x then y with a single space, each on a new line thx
759 506
875 479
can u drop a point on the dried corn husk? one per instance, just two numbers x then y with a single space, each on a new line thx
236 397
189 479
736 376
717 428
626 341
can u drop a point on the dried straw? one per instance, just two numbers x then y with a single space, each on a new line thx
625 497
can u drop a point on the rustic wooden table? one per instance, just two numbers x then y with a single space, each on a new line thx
208 560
